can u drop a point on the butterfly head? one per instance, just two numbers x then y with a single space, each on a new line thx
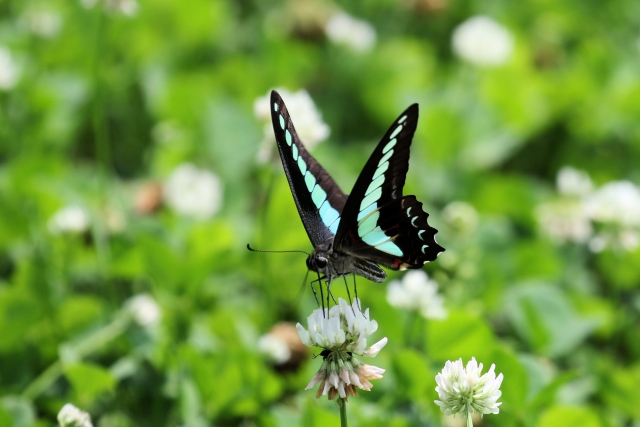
317 262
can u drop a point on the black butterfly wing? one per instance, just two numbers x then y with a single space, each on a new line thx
378 223
319 199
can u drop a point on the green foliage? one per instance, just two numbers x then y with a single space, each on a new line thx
108 102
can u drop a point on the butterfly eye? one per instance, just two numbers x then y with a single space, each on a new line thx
321 262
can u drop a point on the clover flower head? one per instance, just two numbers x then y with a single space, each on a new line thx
41 22
358 35
462 216
9 72
565 220
416 292
462 390
145 310
482 41
71 219
574 182
70 416
342 331
193 192
127 8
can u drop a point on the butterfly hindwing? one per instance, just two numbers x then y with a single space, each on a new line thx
318 198
378 223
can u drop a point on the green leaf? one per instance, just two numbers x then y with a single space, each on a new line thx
567 416
442 128
609 263
16 412
508 195
18 313
547 394
543 317
537 259
79 311
163 263
515 384
413 373
620 389
460 335
89 381
316 416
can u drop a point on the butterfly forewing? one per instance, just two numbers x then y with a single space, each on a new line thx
319 200
378 223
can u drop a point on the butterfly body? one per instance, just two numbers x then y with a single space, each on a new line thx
374 225
332 264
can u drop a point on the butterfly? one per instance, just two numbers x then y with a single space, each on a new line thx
375 225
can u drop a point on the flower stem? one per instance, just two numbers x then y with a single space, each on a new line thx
469 420
343 411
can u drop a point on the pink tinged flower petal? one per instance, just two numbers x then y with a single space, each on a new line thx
334 379
366 385
355 379
375 349
316 379
370 372
327 387
344 376
341 390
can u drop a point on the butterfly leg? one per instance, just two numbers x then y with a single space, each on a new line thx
322 295
355 290
315 294
329 280
346 285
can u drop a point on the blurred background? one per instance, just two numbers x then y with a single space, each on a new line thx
137 160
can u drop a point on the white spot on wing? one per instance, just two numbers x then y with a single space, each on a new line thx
396 132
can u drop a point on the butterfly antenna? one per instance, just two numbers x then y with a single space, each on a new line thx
275 252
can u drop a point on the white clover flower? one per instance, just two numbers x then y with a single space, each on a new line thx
166 132
9 72
145 310
565 220
356 34
616 202
615 207
70 416
573 182
43 23
193 192
463 391
416 292
482 41
308 121
71 219
274 348
462 216
342 331
126 7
